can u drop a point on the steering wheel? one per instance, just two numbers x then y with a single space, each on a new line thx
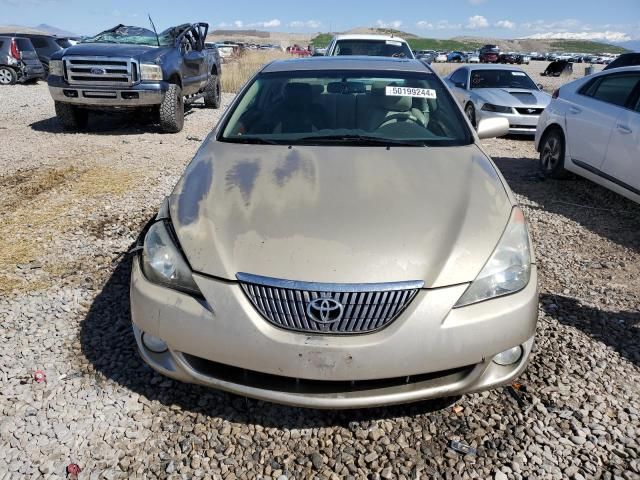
399 116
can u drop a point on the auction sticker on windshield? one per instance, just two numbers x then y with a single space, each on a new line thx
410 92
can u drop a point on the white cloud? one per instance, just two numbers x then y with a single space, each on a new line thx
268 24
477 21
313 24
238 24
424 24
606 36
392 24
508 24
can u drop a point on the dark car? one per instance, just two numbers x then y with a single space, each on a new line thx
46 46
624 60
489 54
18 61
133 68
510 58
457 57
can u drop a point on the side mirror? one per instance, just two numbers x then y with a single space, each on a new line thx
540 86
493 127
193 56
460 85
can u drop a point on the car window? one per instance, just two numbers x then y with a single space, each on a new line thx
39 42
614 89
24 44
377 48
344 106
63 42
460 76
501 78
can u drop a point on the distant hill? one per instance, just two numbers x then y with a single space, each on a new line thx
41 29
633 45
55 31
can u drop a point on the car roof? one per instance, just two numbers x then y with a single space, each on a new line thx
348 62
486 66
368 36
629 68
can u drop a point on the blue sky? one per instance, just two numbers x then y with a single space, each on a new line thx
611 19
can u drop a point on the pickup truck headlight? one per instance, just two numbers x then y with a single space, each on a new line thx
150 72
489 107
163 263
509 267
55 68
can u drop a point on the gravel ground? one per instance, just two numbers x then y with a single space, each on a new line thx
72 203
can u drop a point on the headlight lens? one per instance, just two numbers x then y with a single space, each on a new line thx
55 68
509 267
489 107
163 263
150 72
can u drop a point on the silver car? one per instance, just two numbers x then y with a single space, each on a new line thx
340 240
499 91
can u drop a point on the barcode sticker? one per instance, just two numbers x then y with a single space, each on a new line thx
410 92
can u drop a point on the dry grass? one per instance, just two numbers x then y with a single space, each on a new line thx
236 74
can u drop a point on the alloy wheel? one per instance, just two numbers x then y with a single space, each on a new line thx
550 153
5 76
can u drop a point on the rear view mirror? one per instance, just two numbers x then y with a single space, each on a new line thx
493 127
540 86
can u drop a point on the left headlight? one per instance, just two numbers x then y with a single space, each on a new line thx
150 72
55 68
509 267
489 107
163 263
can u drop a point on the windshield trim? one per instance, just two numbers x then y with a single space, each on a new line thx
469 137
533 87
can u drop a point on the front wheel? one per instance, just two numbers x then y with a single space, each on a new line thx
172 110
470 111
552 155
8 76
71 117
212 93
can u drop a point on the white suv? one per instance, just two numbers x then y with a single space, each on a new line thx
369 45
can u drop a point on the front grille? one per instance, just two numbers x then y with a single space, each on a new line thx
529 111
108 71
351 308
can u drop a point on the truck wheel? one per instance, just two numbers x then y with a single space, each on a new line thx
212 94
172 110
8 76
71 117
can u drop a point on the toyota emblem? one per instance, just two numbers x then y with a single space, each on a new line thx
325 310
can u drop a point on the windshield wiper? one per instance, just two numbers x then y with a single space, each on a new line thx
362 139
250 140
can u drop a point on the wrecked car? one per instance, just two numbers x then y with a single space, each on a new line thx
340 240
133 68
18 61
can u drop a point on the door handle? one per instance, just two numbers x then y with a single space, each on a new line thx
624 128
575 110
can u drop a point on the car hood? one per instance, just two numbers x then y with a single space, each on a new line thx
513 97
112 50
340 214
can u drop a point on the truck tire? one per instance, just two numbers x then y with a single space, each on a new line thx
212 93
71 117
8 76
172 110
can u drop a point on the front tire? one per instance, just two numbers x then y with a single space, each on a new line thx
71 117
470 112
172 110
552 152
212 93
8 76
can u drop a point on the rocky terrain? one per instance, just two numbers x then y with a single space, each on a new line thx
74 390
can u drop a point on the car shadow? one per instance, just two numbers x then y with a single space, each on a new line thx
108 343
594 207
112 123
617 330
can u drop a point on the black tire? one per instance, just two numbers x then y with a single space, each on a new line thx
552 150
71 117
212 93
470 112
8 76
172 110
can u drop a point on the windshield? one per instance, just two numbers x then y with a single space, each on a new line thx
134 36
347 107
63 42
375 48
501 79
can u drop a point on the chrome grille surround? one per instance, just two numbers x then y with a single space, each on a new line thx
367 306
118 71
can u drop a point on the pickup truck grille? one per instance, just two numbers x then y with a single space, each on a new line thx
108 71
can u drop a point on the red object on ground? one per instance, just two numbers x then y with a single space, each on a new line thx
39 376
73 469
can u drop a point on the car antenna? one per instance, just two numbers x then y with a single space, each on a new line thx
154 29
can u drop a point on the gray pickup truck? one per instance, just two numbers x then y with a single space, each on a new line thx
133 68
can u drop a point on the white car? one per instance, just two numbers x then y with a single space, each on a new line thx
369 45
592 128
441 57
474 58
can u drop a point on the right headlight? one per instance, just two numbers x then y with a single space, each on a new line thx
508 269
163 263
55 68
150 72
